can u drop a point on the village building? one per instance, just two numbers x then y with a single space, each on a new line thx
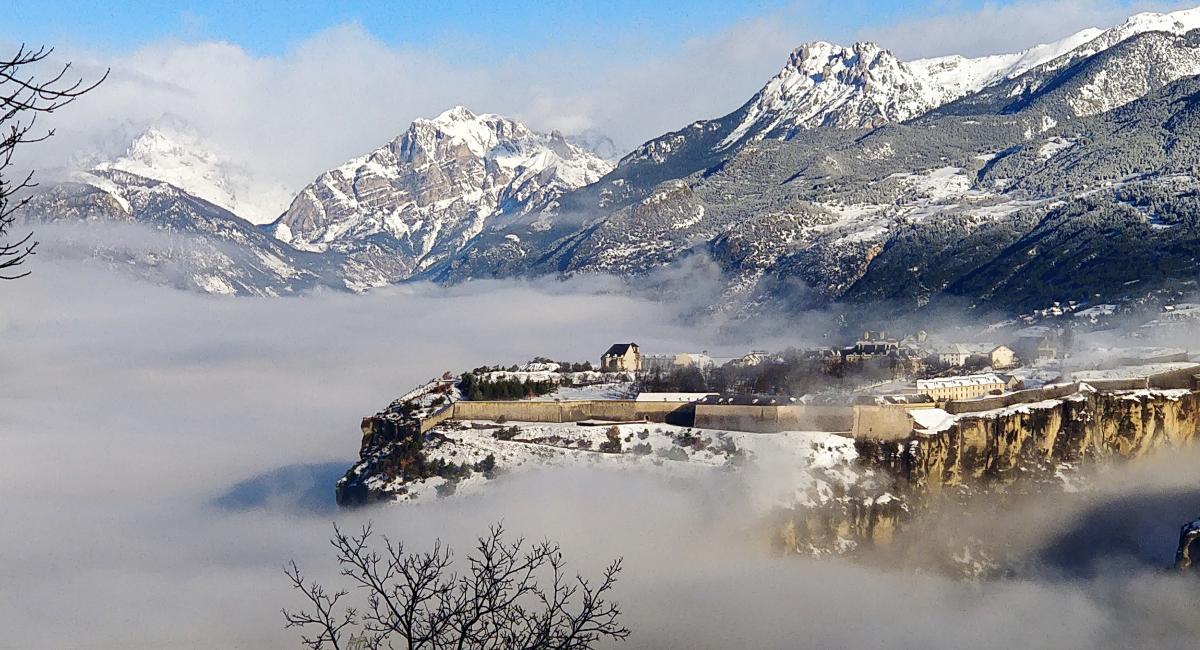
1037 343
1036 348
662 363
965 387
665 363
694 360
754 358
1002 356
956 355
622 357
984 354
872 344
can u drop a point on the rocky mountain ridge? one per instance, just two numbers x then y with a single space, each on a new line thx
421 197
833 178
164 234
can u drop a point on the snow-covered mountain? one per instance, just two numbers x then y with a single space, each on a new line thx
865 86
419 198
160 232
1093 85
173 152
848 169
955 76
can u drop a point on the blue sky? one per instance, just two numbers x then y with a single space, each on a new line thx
516 26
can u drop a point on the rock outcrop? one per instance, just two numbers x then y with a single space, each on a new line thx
1025 448
1185 557
421 197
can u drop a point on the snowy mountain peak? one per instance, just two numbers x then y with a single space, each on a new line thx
173 152
824 84
1177 22
955 76
865 85
422 196
454 114
820 59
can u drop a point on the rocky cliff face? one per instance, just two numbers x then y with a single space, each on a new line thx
421 197
983 459
390 448
1037 441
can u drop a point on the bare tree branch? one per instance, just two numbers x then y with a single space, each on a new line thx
23 97
509 595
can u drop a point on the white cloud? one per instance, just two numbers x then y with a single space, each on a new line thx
342 92
129 409
997 27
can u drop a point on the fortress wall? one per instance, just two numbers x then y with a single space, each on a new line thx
1056 391
889 421
873 422
1182 378
515 411
1136 383
574 411
807 417
668 412
437 418
883 421
757 419
773 419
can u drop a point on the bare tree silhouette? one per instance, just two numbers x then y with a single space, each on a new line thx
510 595
24 95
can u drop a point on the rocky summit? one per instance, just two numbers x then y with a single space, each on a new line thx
420 198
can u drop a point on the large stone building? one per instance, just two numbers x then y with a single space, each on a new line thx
954 355
1002 356
964 387
622 357
665 363
699 360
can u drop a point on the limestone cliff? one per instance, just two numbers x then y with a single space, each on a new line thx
1019 449
1034 442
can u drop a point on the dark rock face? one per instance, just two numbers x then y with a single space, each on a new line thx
1185 557
391 447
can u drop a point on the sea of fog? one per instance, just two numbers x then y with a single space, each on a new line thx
163 454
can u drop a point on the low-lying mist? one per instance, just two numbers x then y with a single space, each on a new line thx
162 454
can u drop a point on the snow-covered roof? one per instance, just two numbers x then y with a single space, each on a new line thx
619 349
986 379
672 397
1134 372
957 348
749 400
931 421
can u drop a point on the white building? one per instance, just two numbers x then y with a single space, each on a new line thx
622 357
956 355
965 387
